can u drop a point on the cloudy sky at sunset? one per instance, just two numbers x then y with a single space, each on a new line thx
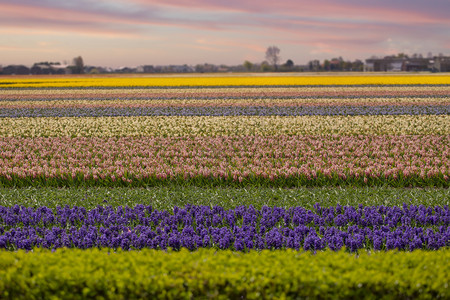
118 33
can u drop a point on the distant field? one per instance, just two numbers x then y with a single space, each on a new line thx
246 130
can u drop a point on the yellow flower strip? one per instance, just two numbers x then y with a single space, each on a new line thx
234 80
225 126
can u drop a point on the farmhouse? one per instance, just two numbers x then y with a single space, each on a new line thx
409 64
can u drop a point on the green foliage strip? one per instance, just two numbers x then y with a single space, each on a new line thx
165 198
88 274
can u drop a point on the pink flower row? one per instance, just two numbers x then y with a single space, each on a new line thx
235 158
232 92
217 103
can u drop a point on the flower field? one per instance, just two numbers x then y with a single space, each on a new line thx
285 161
257 166
241 229
225 131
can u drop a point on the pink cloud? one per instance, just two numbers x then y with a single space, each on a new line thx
292 16
20 16
227 43
320 27
57 20
56 14
320 8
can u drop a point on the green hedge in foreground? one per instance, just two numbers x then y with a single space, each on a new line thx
100 274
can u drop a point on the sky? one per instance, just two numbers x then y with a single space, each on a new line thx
117 33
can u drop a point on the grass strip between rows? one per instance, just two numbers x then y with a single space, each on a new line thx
165 198
89 274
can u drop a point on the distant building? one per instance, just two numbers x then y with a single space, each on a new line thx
417 64
441 64
125 70
387 64
16 70
408 64
335 64
49 68
180 69
145 69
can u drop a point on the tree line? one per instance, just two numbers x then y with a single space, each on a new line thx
272 63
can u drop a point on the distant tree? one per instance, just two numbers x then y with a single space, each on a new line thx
248 65
273 56
78 67
326 65
357 65
345 65
289 64
265 67
342 64
199 68
314 65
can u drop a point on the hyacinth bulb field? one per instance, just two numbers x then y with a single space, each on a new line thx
309 169
241 229
238 131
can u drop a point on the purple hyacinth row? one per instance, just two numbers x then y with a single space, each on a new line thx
342 110
241 229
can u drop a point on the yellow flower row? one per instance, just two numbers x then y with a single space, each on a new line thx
234 80
225 126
